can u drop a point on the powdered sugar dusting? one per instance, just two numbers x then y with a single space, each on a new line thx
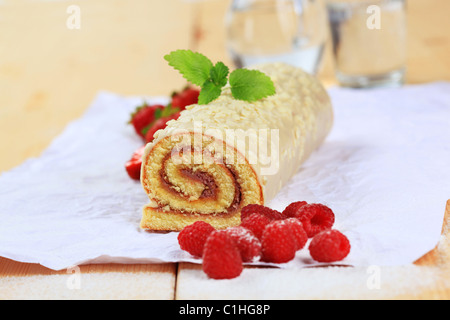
371 282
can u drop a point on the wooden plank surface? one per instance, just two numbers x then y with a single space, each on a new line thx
50 73
25 281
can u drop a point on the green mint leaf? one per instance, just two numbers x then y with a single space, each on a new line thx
250 85
219 74
194 66
209 92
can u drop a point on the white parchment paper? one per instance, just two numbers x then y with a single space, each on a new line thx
384 170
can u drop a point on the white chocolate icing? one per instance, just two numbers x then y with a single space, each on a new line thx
300 112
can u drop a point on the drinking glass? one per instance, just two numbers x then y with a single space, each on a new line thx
290 31
369 41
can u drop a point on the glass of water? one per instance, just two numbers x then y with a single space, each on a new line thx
290 31
369 41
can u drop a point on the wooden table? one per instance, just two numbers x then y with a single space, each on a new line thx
50 72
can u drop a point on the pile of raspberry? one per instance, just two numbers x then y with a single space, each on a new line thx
265 235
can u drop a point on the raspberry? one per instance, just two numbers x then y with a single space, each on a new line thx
329 246
256 223
193 237
278 242
248 244
257 208
299 233
315 218
292 209
221 256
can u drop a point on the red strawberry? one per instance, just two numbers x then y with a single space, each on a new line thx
185 98
143 116
133 166
159 125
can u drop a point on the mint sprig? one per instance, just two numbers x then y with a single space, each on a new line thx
247 85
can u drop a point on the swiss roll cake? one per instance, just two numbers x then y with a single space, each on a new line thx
217 158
